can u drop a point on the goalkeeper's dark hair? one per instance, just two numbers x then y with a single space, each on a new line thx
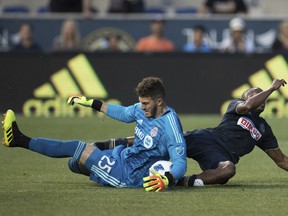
151 87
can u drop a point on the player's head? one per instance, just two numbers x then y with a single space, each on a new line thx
151 94
25 31
157 25
250 93
237 28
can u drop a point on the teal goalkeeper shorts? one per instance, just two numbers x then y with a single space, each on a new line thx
106 169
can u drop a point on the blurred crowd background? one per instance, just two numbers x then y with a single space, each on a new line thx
203 26
256 7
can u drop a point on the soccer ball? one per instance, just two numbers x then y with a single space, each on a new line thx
161 167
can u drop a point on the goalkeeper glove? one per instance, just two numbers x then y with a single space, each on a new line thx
82 100
156 182
79 99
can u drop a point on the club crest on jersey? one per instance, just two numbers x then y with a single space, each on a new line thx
262 128
180 151
247 124
154 132
148 142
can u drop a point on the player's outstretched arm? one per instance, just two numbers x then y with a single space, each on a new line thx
257 100
278 157
84 101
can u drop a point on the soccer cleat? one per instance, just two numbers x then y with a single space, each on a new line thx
9 127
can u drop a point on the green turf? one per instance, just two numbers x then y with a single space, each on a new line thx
31 184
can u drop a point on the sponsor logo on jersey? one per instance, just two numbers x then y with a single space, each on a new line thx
78 78
180 150
154 132
148 142
277 103
247 124
139 133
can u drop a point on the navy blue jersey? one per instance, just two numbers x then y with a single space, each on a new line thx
234 137
240 133
155 139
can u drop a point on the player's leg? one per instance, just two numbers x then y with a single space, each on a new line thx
76 167
212 159
220 175
104 168
13 137
217 169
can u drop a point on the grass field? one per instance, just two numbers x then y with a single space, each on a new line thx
32 184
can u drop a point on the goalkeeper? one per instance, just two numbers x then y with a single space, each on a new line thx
158 136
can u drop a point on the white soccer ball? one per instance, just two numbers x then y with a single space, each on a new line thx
160 166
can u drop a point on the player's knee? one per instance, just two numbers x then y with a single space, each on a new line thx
73 165
77 167
228 170
86 153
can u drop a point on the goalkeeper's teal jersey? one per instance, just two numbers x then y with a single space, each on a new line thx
155 139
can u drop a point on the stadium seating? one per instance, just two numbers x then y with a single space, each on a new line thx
156 10
186 10
16 9
43 9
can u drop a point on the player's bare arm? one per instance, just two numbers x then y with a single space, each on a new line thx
256 97
104 107
279 158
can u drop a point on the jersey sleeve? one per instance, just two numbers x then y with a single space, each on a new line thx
232 106
121 113
269 141
176 147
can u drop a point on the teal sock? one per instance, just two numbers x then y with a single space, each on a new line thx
57 148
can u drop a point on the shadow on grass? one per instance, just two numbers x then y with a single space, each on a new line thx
244 186
251 185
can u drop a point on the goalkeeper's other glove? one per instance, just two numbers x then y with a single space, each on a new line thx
156 182
79 99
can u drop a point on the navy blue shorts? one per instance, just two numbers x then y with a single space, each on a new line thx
203 147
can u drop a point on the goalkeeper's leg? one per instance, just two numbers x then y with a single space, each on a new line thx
76 167
13 137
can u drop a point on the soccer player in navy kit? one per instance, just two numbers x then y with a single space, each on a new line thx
158 136
218 150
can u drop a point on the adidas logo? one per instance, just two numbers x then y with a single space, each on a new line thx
277 103
140 121
78 78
